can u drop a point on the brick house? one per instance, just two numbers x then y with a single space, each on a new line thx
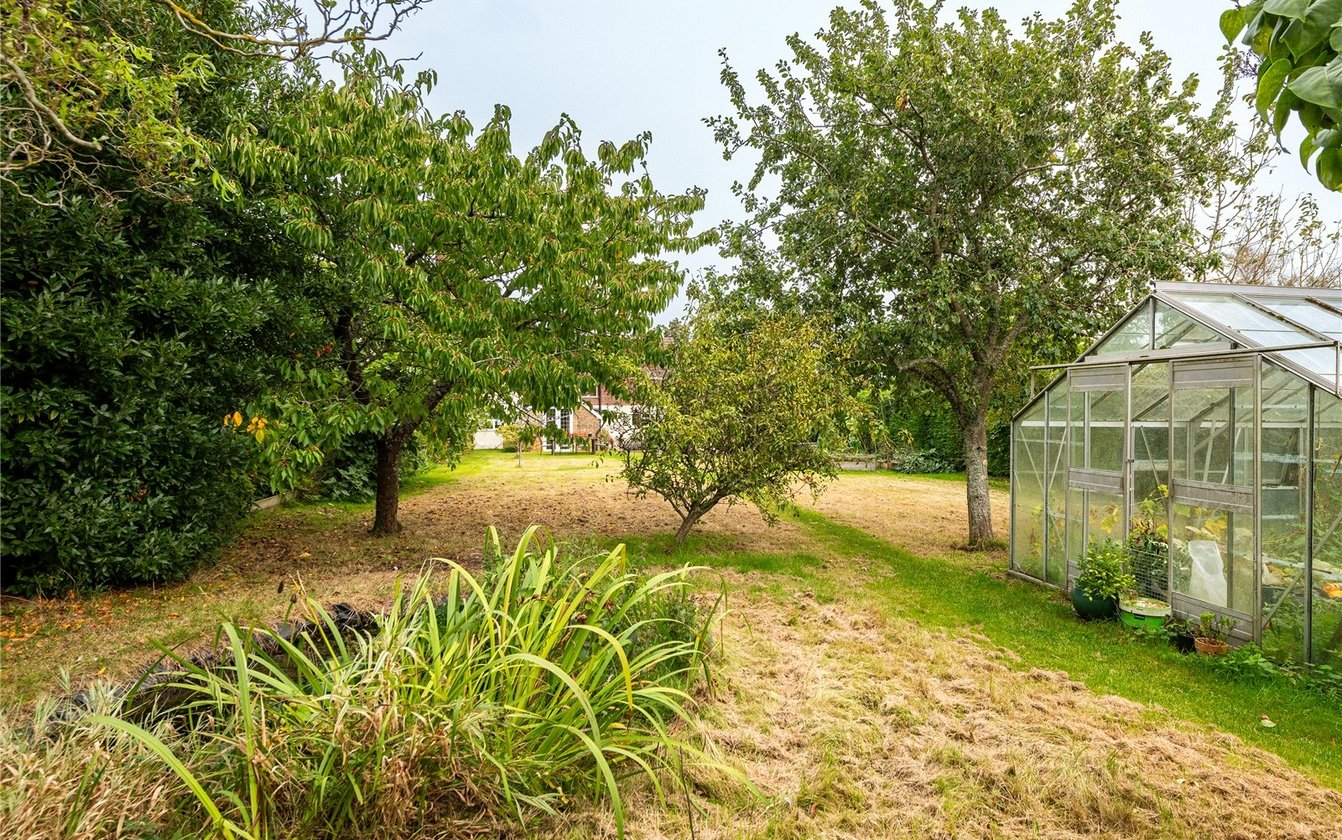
599 420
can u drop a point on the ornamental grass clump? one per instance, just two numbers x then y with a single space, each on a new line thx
469 705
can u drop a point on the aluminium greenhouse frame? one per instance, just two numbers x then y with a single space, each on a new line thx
1203 431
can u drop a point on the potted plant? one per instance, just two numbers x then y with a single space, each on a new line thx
1183 633
1102 579
1213 634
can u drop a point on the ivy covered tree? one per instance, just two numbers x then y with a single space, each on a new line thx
965 198
448 271
748 411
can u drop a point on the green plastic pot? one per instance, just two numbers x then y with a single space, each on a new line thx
1143 613
1092 608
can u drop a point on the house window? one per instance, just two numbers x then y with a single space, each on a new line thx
562 419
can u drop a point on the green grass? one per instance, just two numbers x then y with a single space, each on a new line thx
1038 624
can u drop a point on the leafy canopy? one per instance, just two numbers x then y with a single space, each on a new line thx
1299 47
968 198
450 272
746 411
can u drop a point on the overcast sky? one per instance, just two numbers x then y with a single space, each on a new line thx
619 68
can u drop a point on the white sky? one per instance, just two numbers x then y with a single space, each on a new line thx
619 68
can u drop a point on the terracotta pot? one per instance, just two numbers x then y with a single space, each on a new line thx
1211 647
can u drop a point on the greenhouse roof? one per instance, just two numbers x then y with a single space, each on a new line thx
1300 328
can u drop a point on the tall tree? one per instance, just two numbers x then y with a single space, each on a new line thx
968 197
450 271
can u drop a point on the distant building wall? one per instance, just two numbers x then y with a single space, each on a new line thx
488 439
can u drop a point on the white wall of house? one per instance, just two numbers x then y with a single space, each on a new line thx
488 439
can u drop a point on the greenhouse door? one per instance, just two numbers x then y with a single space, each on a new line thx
1097 469
1212 430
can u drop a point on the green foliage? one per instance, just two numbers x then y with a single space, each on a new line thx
918 432
1298 44
921 461
1214 627
84 91
138 310
452 273
747 411
521 435
470 705
968 198
350 473
1248 663
1103 572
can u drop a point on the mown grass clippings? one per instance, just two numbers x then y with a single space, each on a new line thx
981 747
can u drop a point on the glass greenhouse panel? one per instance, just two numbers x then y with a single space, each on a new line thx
1027 538
1326 613
1321 361
1104 516
1133 336
1213 556
1148 531
1305 313
1283 496
1262 328
1106 423
1175 329
1217 432
1055 486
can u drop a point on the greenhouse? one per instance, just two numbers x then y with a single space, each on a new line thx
1204 433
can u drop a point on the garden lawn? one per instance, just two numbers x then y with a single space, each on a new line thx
875 680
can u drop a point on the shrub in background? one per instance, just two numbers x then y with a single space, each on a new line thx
350 473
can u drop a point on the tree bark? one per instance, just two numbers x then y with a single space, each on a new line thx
975 428
691 517
389 448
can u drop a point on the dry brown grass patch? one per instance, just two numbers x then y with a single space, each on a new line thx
856 726
328 547
923 515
